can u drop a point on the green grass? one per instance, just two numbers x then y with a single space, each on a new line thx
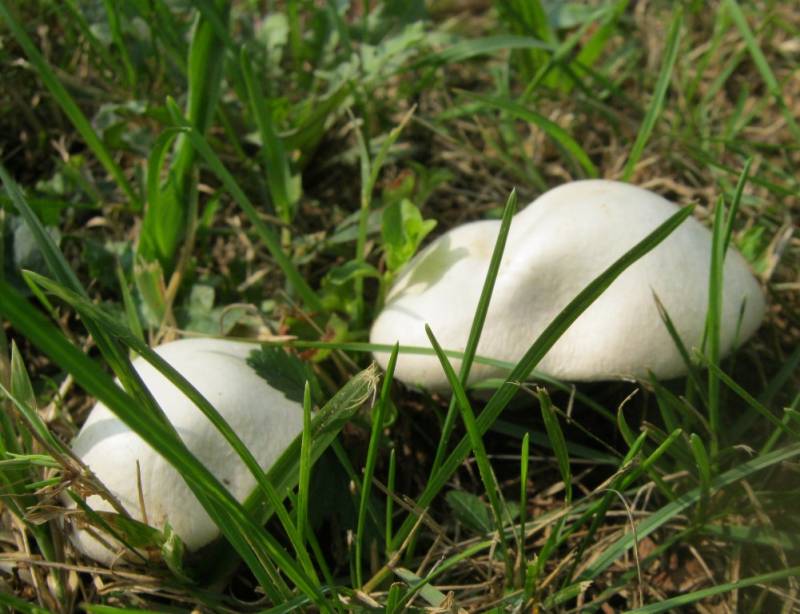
263 170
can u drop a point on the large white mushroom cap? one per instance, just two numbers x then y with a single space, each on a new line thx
263 417
556 246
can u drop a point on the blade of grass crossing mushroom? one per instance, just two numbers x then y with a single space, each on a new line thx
68 105
471 348
670 54
488 478
49 339
267 236
98 521
535 353
762 64
713 323
91 314
304 479
260 550
372 457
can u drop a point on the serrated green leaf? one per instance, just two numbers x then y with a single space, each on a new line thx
283 371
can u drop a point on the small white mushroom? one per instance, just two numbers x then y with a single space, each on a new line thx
555 247
263 417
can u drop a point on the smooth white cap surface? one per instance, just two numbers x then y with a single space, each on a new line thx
556 246
263 417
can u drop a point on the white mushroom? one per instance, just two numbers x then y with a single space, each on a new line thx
555 247
263 417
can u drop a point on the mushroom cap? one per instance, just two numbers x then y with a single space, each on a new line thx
263 417
556 246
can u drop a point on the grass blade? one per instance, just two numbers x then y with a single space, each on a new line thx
268 237
477 323
557 440
372 457
488 478
390 488
284 187
668 512
172 215
657 103
684 600
305 466
703 471
116 36
714 322
52 256
284 473
560 136
762 64
68 105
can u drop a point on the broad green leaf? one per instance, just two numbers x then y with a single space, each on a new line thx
284 372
